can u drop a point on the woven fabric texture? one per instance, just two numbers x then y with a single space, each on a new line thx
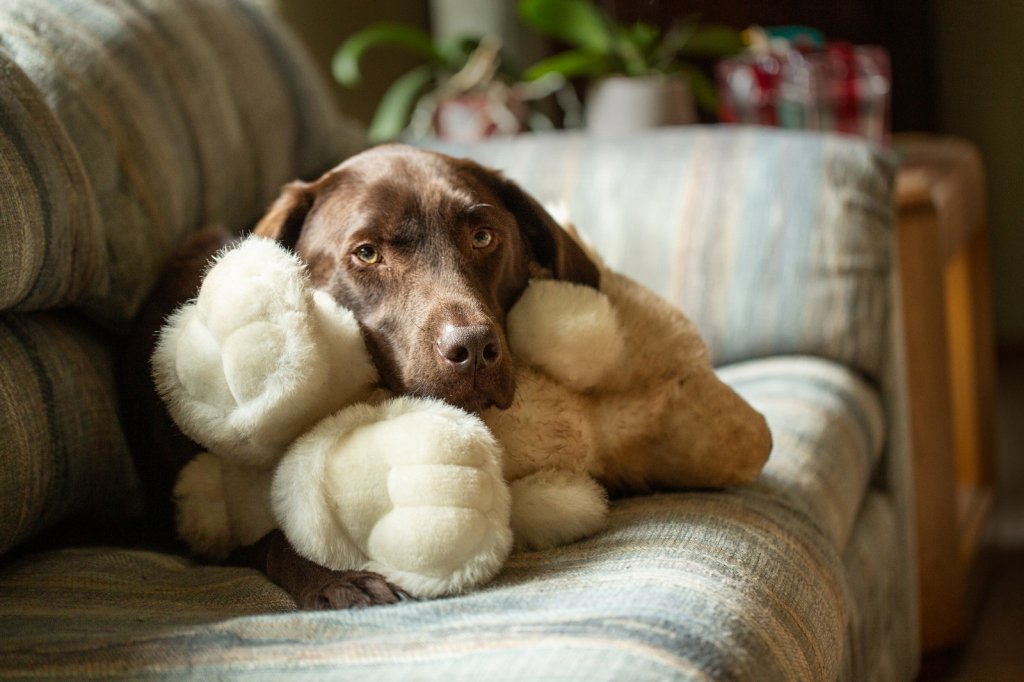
62 451
746 584
126 125
828 431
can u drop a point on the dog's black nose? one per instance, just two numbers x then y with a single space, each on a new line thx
469 349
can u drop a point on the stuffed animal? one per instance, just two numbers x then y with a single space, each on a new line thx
614 390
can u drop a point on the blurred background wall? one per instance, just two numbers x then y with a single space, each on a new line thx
979 64
324 24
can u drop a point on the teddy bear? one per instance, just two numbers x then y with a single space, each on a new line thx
615 391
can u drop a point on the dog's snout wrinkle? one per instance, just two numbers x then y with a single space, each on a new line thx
469 349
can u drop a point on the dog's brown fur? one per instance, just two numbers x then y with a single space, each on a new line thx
421 212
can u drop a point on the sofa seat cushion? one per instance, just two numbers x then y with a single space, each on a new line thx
828 432
62 451
744 584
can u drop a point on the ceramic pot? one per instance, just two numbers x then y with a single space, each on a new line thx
620 104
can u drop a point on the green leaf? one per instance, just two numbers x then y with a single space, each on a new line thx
713 40
345 65
645 34
703 90
576 22
634 62
393 111
676 37
571 63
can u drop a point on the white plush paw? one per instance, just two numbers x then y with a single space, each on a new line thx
411 488
221 505
555 507
201 513
259 356
569 330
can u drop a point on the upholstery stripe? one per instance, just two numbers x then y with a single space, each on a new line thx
168 115
684 587
62 450
828 429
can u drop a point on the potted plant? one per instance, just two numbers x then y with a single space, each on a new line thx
639 76
464 92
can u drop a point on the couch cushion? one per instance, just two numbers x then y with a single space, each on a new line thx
877 641
62 451
746 584
150 120
828 430
678 587
773 242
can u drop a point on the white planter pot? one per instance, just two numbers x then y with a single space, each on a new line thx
620 104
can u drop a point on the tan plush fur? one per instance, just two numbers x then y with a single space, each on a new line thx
656 418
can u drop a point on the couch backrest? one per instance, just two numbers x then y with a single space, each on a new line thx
127 125
773 242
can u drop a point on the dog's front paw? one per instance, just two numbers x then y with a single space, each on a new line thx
259 356
411 488
348 590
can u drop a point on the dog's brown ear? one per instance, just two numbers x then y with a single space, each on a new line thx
552 246
285 217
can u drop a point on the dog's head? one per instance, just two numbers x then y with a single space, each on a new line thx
429 253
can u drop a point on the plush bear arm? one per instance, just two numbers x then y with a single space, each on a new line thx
568 330
259 356
410 488
554 507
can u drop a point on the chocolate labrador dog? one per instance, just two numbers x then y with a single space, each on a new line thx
429 252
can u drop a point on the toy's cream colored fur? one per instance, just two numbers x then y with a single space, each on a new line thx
411 489
259 356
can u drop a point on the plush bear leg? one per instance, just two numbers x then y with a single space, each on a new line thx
554 507
411 488
222 505
568 330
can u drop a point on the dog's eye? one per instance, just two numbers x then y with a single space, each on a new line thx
482 239
368 254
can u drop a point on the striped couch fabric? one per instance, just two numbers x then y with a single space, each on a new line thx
62 448
125 126
764 583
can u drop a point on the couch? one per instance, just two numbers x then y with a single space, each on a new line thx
125 125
